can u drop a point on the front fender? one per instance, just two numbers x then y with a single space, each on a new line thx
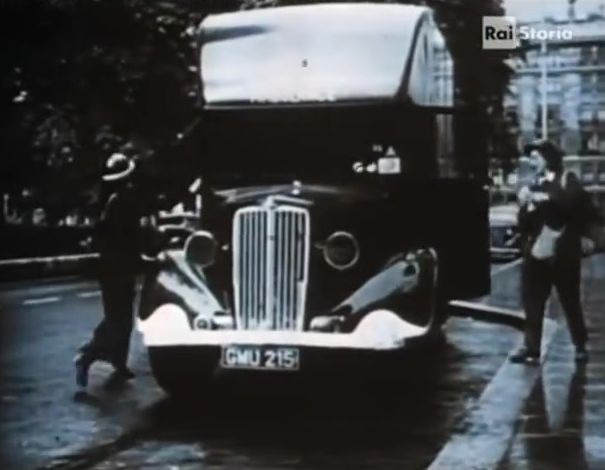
406 285
176 282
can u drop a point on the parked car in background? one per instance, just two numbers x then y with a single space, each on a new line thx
504 232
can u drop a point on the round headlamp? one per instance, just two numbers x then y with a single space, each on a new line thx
341 250
201 249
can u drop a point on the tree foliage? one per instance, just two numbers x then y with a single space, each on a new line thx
84 78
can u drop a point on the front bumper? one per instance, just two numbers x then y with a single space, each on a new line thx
332 366
380 330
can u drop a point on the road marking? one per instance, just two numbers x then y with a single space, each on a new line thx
506 267
86 295
41 300
47 259
489 428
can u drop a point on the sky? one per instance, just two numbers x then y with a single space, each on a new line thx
537 9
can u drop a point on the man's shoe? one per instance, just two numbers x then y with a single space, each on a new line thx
523 356
581 355
82 364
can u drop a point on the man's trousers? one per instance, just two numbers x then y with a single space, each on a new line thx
111 338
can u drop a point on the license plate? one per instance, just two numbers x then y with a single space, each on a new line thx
260 357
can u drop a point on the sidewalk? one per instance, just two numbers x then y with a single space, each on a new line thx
562 425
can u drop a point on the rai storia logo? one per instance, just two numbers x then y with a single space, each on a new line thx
500 32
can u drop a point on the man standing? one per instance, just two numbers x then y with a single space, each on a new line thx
119 243
555 216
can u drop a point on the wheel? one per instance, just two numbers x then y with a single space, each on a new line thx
181 372
436 334
441 311
438 300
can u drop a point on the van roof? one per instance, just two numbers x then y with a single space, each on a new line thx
328 53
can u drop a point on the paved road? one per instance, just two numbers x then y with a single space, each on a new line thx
42 326
134 426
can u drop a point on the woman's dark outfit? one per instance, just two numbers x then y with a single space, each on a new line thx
561 213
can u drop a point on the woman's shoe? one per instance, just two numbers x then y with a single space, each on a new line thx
523 356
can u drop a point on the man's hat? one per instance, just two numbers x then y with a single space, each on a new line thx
117 167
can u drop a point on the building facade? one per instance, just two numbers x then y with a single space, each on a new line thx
562 80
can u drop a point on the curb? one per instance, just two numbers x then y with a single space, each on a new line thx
50 266
482 438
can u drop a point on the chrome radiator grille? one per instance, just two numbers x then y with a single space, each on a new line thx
270 267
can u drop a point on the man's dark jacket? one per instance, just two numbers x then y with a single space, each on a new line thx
119 237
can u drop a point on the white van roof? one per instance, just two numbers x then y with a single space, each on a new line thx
324 53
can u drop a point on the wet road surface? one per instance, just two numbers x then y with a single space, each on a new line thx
402 422
562 425
397 423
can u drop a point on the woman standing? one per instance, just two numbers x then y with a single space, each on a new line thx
555 216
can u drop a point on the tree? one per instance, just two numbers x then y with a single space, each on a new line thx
84 78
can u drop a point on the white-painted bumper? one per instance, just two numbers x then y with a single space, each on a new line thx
379 330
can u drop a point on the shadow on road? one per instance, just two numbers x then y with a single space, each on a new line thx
331 411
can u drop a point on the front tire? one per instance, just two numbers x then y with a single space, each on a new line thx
181 372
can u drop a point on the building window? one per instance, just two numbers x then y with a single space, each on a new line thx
601 137
600 82
589 83
600 55
586 136
552 116
586 115
532 57
595 55
553 86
